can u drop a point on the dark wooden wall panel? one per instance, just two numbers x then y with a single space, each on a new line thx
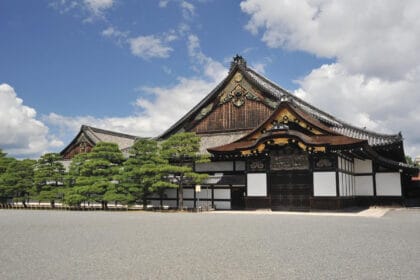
228 117
77 149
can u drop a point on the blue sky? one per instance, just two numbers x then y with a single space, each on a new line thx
137 66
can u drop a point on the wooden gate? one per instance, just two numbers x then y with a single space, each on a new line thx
291 190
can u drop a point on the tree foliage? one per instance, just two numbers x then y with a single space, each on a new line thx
103 175
182 151
92 176
410 160
143 172
18 180
49 178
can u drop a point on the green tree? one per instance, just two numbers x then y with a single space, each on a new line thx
410 160
71 197
18 179
4 161
182 151
93 176
49 178
144 171
5 190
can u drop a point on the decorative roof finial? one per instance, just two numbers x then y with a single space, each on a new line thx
238 60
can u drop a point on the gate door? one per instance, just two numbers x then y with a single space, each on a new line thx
291 190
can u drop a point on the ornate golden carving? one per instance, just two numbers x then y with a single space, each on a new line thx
270 103
237 96
204 112
237 91
238 77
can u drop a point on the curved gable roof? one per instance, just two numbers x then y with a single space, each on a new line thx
276 92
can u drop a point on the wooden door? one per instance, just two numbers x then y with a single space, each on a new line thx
291 190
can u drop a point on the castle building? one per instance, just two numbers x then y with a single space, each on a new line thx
271 149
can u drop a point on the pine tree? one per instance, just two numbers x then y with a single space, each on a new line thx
5 189
143 171
49 176
182 151
71 196
94 176
18 179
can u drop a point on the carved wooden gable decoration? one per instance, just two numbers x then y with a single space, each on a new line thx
238 106
81 145
288 118
287 126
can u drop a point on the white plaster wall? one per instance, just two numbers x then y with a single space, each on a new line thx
362 166
155 203
350 185
222 204
205 193
170 203
188 193
204 203
324 184
214 166
221 194
240 165
154 195
189 203
257 184
364 185
170 193
388 184
342 182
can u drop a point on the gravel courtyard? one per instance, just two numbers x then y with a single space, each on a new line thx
138 245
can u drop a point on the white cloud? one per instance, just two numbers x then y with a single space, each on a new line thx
113 32
188 10
149 47
119 37
374 80
379 105
212 69
22 134
164 105
88 9
372 37
167 105
163 3
98 6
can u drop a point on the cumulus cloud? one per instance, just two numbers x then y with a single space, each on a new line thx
149 47
379 105
22 134
370 37
163 3
188 9
98 6
212 69
374 79
164 104
89 9
118 36
167 105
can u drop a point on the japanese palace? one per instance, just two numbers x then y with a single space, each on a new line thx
272 150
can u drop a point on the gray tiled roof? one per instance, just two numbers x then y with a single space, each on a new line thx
276 92
96 135
123 141
341 127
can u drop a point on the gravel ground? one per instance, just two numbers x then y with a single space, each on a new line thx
138 245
